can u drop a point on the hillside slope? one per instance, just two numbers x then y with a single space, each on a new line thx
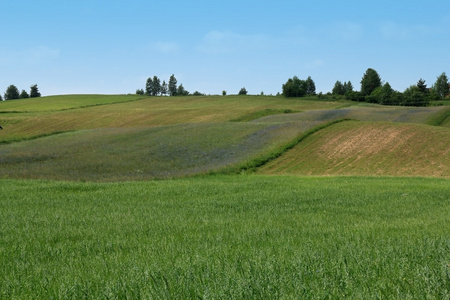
141 153
23 119
125 137
360 148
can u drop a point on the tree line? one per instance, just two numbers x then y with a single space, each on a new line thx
12 93
373 90
154 87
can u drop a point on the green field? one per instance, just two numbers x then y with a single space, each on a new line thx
233 237
211 197
110 138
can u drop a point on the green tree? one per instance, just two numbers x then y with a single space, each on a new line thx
140 92
243 91
441 85
156 90
164 88
24 95
370 81
149 87
224 93
338 88
396 98
422 86
181 91
172 86
386 94
12 93
294 87
348 87
1 99
310 86
413 96
433 95
374 97
34 91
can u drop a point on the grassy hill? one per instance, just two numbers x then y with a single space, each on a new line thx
222 236
129 137
23 119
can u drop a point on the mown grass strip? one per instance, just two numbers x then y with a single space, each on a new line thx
439 118
70 108
262 113
33 137
253 164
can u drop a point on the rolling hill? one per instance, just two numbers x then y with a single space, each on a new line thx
108 138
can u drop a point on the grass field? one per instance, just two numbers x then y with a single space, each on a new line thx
234 237
81 215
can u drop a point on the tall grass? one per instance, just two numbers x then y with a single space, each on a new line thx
234 237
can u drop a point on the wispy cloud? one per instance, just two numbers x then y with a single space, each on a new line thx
314 64
391 30
395 31
165 47
35 55
218 42
349 31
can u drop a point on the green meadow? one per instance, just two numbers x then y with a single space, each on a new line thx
233 237
211 197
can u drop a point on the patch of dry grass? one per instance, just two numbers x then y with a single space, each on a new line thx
357 148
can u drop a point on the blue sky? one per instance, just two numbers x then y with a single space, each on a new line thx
112 47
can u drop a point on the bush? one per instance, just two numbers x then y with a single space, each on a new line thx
243 91
24 95
354 96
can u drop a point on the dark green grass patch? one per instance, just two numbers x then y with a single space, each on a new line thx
226 237
261 113
372 113
440 118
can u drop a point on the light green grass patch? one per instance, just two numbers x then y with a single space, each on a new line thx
233 237
147 112
62 102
